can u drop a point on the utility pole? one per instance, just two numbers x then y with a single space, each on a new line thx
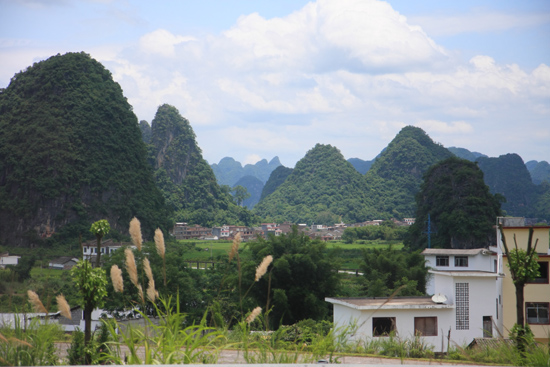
429 231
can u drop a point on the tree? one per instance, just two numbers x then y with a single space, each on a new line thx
241 194
92 285
523 267
386 270
99 229
301 276
461 208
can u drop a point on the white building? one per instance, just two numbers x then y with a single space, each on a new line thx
7 259
464 302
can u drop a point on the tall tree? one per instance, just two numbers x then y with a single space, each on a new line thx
523 267
461 208
241 194
301 276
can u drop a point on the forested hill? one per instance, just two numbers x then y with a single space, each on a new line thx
395 176
70 154
323 188
184 177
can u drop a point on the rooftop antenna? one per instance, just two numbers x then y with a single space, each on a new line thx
429 231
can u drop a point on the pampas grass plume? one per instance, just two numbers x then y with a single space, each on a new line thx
140 291
159 242
147 268
131 266
262 268
63 306
151 292
255 312
135 232
235 246
35 302
116 278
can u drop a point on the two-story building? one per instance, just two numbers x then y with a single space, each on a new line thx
89 249
463 303
537 292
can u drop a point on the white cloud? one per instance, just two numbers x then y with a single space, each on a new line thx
478 21
441 127
162 42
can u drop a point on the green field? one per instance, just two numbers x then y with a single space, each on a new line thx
350 254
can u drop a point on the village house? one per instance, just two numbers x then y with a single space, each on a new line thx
7 259
463 303
183 231
63 263
89 249
537 292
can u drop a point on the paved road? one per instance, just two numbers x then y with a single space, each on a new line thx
234 357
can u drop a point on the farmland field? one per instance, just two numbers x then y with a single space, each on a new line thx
350 254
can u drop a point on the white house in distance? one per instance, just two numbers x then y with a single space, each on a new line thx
464 303
7 259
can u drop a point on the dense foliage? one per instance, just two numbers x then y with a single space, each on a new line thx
461 208
395 176
360 165
71 153
185 178
322 183
277 177
386 231
301 276
388 270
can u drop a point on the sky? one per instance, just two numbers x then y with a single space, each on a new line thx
261 78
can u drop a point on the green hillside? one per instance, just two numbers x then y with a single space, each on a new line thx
71 153
395 176
184 177
322 188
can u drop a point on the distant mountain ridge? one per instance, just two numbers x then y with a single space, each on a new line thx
228 171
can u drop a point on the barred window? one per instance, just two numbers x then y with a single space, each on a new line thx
462 297
442 260
461 261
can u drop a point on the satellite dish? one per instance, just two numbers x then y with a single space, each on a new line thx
439 298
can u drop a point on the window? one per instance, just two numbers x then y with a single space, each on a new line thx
537 313
462 297
461 261
425 326
442 260
543 273
382 326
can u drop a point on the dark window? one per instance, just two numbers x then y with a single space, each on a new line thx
461 261
425 326
537 313
442 260
543 273
382 326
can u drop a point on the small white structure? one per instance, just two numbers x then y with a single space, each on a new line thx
7 259
465 302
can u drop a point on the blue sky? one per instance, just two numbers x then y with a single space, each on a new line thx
259 79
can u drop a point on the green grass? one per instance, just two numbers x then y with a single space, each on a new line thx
350 254
45 273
